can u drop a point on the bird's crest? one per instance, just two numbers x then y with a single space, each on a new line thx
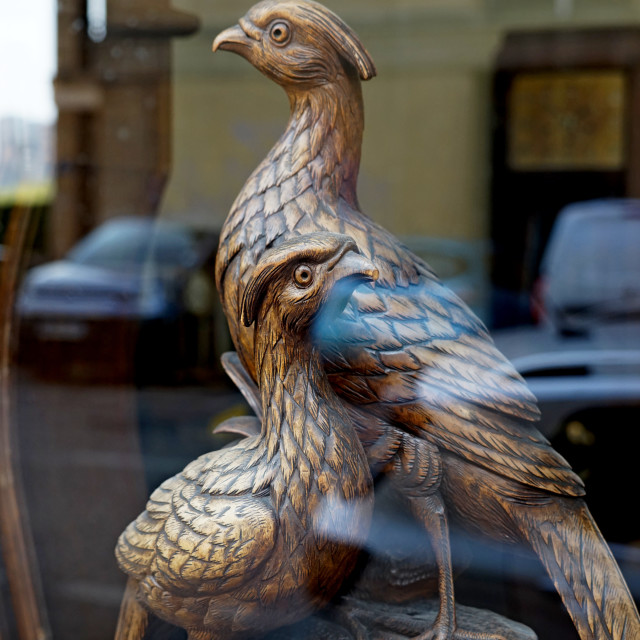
342 37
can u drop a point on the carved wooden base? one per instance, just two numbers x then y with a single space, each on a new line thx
380 621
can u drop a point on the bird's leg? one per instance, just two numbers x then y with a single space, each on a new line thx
429 510
416 474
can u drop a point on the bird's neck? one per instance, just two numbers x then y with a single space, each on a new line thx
302 419
324 134
322 486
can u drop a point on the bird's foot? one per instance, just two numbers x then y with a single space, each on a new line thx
414 628
354 619
366 620
443 632
418 620
383 622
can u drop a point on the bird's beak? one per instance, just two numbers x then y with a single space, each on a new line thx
354 267
348 271
233 39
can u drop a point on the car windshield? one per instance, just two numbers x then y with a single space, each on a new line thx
126 244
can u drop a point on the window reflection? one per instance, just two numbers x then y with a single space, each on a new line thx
490 122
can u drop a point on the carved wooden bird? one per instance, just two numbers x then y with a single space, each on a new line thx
433 400
260 534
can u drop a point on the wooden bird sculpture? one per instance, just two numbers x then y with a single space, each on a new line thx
258 535
433 400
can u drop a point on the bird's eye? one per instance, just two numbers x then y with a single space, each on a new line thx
303 276
280 33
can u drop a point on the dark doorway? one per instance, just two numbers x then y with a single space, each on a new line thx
562 133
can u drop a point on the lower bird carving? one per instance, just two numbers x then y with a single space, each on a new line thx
260 534
435 404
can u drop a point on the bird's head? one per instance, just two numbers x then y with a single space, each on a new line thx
301 275
297 43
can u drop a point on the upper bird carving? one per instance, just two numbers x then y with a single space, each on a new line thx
260 534
434 402
410 337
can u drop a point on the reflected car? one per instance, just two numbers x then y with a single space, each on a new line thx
583 361
590 271
132 292
573 373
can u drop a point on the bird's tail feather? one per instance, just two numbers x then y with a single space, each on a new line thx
133 618
584 571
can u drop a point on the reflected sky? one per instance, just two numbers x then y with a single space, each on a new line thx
28 55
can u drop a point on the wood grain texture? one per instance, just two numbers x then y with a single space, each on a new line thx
435 403
263 533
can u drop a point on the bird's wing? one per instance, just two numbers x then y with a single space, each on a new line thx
411 351
193 542
136 547
214 543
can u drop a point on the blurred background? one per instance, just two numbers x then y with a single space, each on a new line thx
502 144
